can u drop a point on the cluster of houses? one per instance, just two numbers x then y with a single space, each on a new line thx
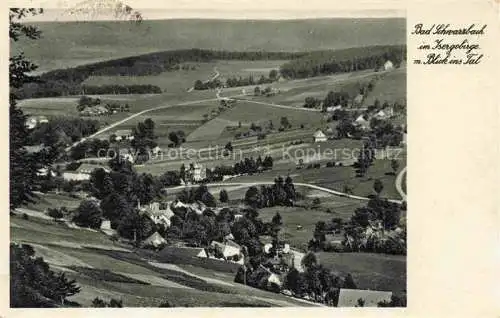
95 111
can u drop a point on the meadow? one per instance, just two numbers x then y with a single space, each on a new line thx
172 81
307 219
370 271
391 88
108 270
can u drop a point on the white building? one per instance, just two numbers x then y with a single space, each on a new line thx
333 108
388 66
381 115
196 172
123 134
31 122
319 136
83 172
362 123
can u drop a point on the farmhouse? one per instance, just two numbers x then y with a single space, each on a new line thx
362 123
369 298
83 172
123 134
381 115
229 251
319 136
388 66
33 121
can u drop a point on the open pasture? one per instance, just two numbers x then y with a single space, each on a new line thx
172 81
370 271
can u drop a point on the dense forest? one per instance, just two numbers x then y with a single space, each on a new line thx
348 60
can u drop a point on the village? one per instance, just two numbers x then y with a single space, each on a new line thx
266 178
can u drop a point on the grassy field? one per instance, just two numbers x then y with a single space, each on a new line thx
50 200
186 118
174 81
65 44
391 88
262 114
247 68
336 177
136 277
307 218
370 271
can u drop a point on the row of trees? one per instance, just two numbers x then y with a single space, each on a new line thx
47 87
247 81
331 62
245 166
211 84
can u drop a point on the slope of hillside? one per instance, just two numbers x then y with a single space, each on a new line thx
106 269
66 44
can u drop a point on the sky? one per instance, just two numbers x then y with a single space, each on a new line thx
217 9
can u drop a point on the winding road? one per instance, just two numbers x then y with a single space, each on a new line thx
399 183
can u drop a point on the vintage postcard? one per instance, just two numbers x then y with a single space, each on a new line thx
248 154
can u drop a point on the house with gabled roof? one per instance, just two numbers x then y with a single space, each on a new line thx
154 240
319 136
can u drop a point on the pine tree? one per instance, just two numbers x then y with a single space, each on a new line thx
23 166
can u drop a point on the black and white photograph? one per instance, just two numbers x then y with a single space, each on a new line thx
170 158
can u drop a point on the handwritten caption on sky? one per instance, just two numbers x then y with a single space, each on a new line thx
447 44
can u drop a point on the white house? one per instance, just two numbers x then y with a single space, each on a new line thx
31 122
123 134
319 136
229 250
83 172
362 122
388 65
333 108
381 115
